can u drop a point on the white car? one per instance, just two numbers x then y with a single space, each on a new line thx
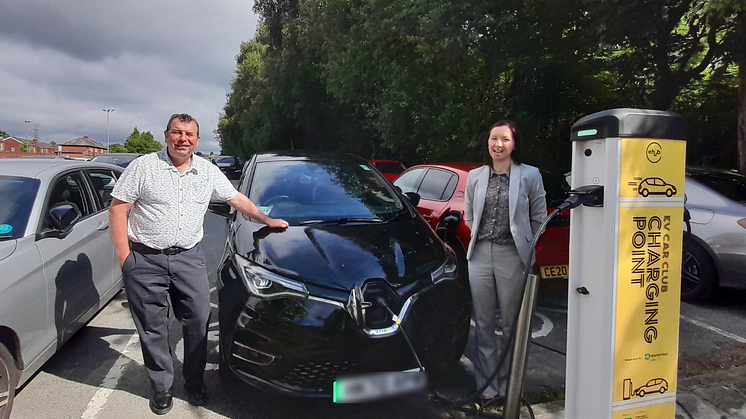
715 252
57 261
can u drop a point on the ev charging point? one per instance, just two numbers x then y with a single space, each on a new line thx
625 266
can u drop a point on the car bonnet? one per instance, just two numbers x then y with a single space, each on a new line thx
341 256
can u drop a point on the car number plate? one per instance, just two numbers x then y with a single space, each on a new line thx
378 386
553 271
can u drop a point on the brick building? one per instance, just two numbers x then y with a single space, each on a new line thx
82 147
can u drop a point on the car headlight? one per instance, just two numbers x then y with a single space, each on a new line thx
446 271
268 285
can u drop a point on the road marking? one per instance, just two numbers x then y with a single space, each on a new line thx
546 327
711 328
97 402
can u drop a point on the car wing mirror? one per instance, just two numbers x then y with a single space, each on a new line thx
413 197
62 217
220 208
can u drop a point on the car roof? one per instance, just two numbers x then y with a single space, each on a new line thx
43 168
459 167
119 154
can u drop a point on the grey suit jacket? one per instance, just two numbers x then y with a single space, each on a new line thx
527 204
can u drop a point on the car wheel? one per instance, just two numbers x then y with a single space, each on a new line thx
699 280
8 380
641 393
669 192
663 390
644 193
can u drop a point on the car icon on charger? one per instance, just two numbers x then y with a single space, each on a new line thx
655 186
656 385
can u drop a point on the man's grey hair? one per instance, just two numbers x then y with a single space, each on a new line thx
182 117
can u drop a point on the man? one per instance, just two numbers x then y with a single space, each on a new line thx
166 195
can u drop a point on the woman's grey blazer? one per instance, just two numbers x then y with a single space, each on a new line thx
528 207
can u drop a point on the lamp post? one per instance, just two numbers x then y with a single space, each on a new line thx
28 125
108 111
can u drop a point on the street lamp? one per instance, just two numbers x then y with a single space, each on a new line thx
108 111
28 125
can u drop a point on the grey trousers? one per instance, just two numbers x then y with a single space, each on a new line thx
153 282
495 275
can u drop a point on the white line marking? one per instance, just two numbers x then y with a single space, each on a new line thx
720 332
213 305
96 405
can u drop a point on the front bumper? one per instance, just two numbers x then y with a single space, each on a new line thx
297 347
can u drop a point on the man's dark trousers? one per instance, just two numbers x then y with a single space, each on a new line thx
149 280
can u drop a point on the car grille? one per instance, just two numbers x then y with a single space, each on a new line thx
317 376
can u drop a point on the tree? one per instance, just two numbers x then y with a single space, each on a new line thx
117 148
3 134
139 142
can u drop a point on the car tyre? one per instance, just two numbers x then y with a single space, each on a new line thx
699 280
8 380
641 393
644 193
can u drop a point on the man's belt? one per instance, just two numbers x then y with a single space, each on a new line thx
141 248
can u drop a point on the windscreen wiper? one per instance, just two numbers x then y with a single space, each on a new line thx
342 221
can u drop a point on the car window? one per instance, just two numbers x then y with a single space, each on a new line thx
15 207
732 185
300 191
67 190
407 182
103 183
434 184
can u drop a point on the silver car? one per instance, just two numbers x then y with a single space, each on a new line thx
57 261
715 252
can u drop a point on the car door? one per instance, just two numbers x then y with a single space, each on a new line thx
102 183
436 188
77 264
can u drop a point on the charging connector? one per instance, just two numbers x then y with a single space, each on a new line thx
590 196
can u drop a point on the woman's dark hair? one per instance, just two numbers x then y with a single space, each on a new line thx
515 155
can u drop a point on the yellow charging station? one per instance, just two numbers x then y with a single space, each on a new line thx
625 266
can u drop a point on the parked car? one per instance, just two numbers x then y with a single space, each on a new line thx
57 261
715 252
441 189
390 168
300 306
120 159
230 165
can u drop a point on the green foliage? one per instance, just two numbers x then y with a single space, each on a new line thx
117 148
143 142
3 134
423 80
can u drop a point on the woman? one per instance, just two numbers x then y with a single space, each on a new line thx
504 207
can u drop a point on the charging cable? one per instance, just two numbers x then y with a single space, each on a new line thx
591 195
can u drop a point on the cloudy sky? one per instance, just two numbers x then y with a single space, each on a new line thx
63 62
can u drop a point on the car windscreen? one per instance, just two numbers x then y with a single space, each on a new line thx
323 190
15 208
731 185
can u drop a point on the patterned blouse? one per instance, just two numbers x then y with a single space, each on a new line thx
495 225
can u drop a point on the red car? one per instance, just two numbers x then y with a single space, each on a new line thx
390 168
441 188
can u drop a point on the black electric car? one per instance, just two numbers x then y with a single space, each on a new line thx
299 307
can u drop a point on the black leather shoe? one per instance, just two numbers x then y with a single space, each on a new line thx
197 397
161 402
